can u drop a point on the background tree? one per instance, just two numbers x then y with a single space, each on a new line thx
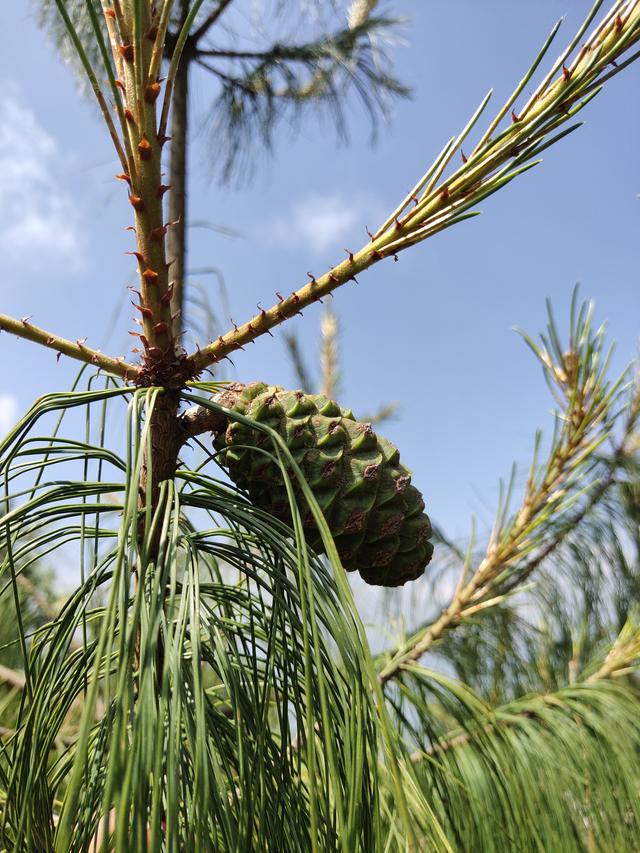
229 696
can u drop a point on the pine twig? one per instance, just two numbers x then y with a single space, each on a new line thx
578 376
623 657
621 660
24 329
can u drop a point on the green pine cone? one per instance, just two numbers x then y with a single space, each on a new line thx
375 515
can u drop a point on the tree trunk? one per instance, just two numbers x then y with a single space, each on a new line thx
177 234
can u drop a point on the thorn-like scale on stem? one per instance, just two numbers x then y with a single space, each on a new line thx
151 92
126 52
137 203
150 276
146 312
166 297
144 148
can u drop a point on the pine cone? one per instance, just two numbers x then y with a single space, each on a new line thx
374 514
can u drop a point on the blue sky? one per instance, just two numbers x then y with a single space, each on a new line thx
433 332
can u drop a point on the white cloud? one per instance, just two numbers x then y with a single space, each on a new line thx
321 222
37 217
8 413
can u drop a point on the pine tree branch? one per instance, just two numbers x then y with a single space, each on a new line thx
622 660
540 523
623 657
340 43
210 20
24 329
177 234
435 203
263 84
607 479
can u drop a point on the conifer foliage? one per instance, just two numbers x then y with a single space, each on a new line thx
209 684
